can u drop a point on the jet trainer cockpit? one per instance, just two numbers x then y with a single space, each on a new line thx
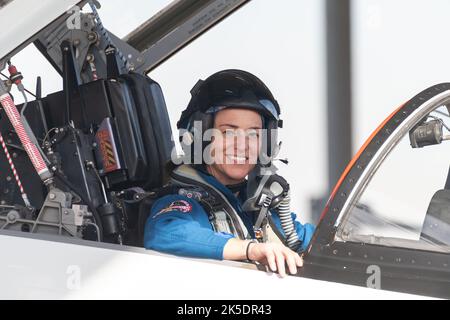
390 211
78 162
415 208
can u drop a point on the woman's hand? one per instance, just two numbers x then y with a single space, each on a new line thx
274 255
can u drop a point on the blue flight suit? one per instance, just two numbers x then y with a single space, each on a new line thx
179 225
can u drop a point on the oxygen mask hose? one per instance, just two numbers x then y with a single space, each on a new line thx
287 223
272 192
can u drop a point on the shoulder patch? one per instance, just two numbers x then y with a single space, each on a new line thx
178 205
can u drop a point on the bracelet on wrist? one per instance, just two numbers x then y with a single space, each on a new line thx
248 247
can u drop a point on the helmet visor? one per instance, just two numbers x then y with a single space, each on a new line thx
264 107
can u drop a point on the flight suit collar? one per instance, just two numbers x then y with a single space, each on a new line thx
235 201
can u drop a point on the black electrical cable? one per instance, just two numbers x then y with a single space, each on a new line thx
94 211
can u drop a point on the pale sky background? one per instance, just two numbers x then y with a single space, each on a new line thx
399 48
281 44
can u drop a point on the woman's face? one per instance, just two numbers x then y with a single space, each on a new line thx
236 144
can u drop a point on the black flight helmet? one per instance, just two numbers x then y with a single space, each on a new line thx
236 89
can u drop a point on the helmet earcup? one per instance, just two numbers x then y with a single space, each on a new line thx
269 143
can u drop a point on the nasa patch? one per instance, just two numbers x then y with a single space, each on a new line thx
179 205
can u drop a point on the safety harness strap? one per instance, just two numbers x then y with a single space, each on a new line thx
222 214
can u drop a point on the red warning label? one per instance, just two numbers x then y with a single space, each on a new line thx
107 151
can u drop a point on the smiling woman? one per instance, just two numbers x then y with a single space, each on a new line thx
228 219
234 153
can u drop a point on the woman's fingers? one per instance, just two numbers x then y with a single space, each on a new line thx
298 260
291 261
270 257
279 257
